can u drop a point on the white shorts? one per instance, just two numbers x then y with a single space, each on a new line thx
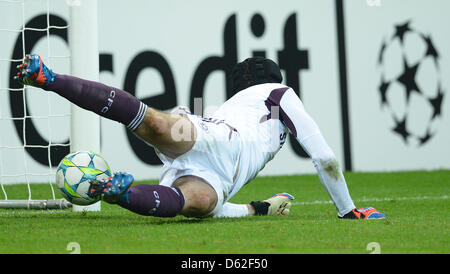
214 158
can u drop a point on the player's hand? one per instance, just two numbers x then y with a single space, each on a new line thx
364 213
280 204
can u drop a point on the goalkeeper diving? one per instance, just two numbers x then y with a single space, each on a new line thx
207 160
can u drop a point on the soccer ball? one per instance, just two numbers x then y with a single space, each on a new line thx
75 173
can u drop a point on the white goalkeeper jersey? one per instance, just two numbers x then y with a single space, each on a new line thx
232 145
261 133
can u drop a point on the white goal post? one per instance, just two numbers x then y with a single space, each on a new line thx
84 126
83 43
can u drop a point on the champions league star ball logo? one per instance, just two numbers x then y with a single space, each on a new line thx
410 89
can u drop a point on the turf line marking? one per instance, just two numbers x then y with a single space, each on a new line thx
11 212
444 197
28 212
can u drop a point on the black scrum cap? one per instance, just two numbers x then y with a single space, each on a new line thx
254 71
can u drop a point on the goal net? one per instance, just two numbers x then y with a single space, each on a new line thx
38 128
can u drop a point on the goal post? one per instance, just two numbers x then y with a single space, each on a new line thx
82 38
83 43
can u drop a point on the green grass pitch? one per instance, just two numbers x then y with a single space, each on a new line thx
416 204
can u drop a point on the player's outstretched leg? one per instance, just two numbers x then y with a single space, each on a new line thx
104 100
149 124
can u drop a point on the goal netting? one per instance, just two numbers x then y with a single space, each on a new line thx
38 128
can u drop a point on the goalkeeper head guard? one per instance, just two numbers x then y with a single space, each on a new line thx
254 71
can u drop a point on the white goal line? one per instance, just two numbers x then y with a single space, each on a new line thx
363 200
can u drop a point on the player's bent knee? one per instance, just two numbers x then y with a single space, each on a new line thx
200 204
200 198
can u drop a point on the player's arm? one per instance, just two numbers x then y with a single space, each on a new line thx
307 133
278 204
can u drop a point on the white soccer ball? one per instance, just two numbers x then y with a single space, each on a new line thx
75 173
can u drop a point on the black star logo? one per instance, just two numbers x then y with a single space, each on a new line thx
400 128
380 56
425 138
401 30
408 78
437 103
431 50
383 90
